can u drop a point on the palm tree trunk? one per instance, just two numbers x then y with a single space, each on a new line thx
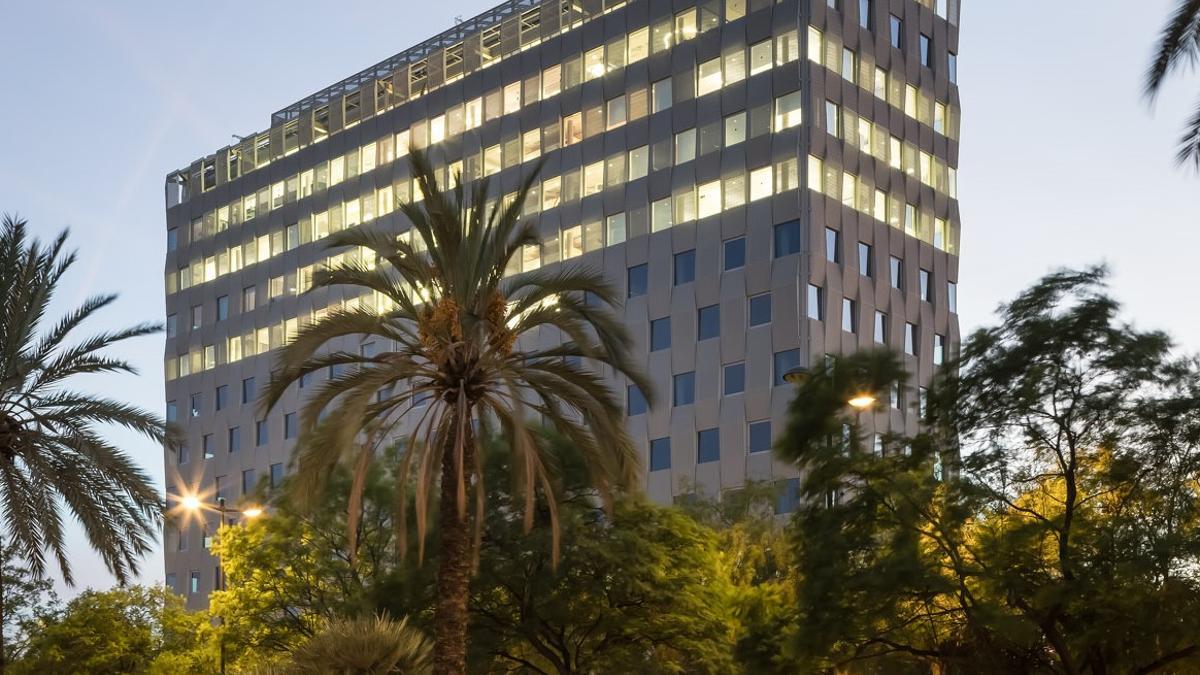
454 570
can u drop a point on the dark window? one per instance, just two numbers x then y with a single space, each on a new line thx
260 432
182 454
787 238
849 315
171 581
760 309
708 322
247 298
897 32
896 268
833 245
816 308
248 391
222 308
684 388
924 285
735 253
235 439
660 454
685 267
926 48
638 277
735 378
222 397
172 325
276 475
289 425
172 411
208 446
635 401
172 239
789 496
865 260
660 334
194 404
197 316
759 436
708 446
248 481
785 361
952 296
952 70
910 339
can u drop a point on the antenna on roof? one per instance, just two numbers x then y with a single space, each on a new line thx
458 19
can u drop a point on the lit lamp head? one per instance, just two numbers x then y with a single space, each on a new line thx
190 503
861 401
252 512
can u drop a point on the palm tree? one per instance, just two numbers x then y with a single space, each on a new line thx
464 366
1179 46
53 457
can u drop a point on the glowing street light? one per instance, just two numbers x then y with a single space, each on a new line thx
252 512
861 401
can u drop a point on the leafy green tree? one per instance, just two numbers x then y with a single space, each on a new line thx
27 598
456 322
128 630
54 460
1179 48
1047 521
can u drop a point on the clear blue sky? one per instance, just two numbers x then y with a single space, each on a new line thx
1062 161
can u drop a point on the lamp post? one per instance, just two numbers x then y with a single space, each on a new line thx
861 402
193 504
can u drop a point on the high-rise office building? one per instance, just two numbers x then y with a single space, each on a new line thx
767 182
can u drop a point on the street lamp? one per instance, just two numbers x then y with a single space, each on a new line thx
192 504
861 401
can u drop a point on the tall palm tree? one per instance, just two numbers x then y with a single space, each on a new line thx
54 459
463 365
1179 47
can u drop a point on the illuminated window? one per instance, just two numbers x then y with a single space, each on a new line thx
615 225
788 111
593 178
531 145
572 129
572 242
593 63
760 183
660 215
685 146
709 199
639 162
709 77
551 190
685 25
512 98
734 190
735 128
661 95
639 44
491 160
735 66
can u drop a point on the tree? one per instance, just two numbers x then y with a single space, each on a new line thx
27 598
456 322
53 457
1047 520
136 629
1179 47
366 646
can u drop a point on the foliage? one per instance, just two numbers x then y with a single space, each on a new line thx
1179 47
26 598
366 646
136 629
460 362
1057 532
53 457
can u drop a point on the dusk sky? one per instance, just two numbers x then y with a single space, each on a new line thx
1063 162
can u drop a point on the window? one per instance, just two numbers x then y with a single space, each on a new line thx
222 308
910 339
197 315
864 13
615 224
248 481
896 396
222 397
923 278
922 402
248 390
276 475
939 349
833 119
897 32
708 322
708 77
260 433
248 298
760 309
685 146
193 582
787 238
849 65
952 69
926 47
849 315
788 111
638 280
735 129
208 446
880 327
172 411
833 245
708 446
816 308
685 267
660 334
661 95
195 404
734 378
865 260
734 253
759 436
182 455
896 269
952 296
289 425
635 401
683 389
785 361
789 496
235 439
660 454
172 326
